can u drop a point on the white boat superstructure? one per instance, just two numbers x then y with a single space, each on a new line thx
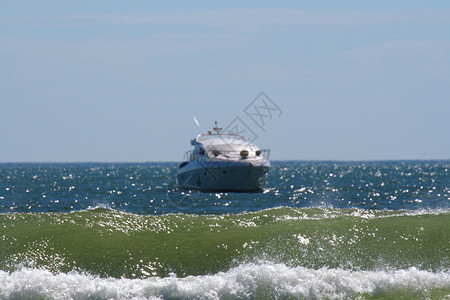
224 162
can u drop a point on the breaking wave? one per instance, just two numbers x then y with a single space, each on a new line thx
247 281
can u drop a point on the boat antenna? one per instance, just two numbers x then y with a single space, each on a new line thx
196 122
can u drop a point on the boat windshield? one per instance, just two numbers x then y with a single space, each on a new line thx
224 137
223 141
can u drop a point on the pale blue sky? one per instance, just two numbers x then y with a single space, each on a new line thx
121 80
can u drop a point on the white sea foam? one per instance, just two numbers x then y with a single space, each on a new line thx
267 280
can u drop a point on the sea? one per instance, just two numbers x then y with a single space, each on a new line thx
318 230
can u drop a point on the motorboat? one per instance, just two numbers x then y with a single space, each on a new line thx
223 162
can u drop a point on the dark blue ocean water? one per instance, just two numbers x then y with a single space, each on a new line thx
150 188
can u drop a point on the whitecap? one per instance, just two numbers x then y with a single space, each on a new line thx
245 281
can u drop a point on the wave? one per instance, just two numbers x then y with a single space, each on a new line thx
246 281
323 211
127 245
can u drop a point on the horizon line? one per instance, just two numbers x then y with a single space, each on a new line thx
178 161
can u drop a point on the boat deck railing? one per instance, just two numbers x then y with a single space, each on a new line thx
211 155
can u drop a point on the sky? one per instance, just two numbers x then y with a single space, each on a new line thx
121 81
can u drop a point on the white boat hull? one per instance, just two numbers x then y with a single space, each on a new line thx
218 176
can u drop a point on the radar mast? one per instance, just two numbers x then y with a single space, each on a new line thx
217 129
